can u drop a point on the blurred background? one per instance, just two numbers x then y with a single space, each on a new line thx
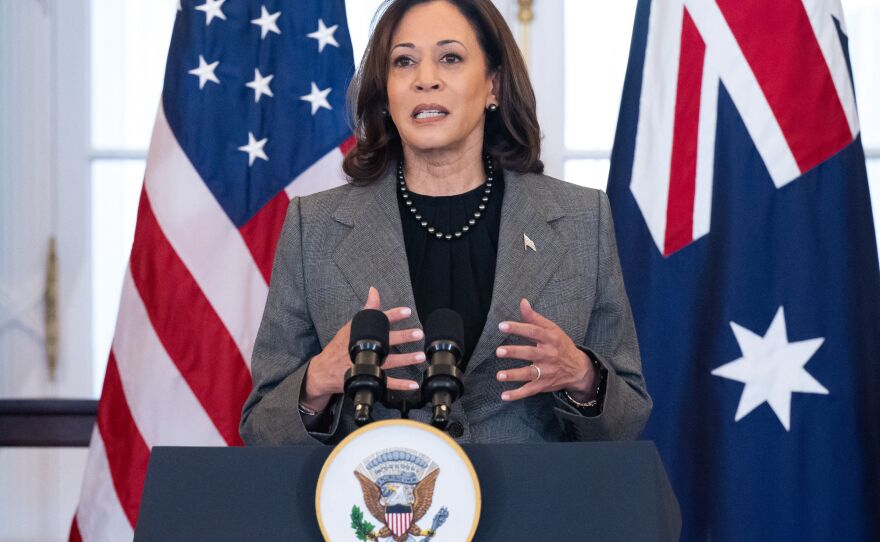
80 82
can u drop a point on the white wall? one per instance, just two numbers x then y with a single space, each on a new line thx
38 487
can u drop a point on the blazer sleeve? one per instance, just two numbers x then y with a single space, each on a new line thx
611 337
286 342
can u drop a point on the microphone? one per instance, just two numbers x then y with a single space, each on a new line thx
368 348
444 337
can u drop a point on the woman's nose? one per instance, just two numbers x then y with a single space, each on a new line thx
426 78
433 86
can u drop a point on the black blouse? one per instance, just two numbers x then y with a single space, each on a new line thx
458 274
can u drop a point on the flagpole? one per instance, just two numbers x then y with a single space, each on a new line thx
526 16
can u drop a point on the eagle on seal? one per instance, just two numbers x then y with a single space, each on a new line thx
399 496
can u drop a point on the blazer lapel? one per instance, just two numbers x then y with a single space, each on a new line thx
520 270
373 252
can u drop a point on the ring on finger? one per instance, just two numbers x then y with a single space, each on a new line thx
537 371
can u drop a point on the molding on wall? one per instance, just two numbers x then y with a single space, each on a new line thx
22 307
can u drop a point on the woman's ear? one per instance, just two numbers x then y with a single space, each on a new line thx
496 85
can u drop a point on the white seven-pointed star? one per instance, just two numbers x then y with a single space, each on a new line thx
324 35
254 148
260 85
771 369
205 71
318 98
212 9
267 22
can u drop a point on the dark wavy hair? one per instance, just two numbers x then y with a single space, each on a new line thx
511 134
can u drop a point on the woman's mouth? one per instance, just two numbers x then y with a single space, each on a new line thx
429 112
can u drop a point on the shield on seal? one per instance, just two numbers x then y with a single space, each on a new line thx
398 518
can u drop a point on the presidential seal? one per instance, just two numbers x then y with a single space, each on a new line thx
398 486
398 481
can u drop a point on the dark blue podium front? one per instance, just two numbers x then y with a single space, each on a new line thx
603 491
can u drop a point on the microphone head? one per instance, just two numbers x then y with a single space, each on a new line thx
369 324
446 325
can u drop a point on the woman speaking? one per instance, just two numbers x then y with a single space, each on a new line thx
447 207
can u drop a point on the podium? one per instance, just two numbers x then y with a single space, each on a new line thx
602 491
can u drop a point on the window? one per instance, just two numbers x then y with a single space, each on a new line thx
593 84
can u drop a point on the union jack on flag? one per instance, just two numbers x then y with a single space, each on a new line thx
784 67
746 237
252 114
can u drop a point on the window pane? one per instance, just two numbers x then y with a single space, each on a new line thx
862 20
592 173
129 46
360 17
597 36
116 186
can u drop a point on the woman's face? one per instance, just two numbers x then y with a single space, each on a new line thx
438 85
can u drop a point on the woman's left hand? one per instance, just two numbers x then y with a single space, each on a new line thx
557 364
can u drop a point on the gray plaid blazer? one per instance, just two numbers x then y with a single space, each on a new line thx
338 243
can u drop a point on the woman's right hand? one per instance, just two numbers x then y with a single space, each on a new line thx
326 373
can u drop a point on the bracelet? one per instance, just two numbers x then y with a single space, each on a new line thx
307 411
589 404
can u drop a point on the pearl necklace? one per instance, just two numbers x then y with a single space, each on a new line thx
487 190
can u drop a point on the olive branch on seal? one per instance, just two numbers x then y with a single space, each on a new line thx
363 530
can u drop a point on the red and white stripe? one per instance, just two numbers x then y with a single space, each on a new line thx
192 299
398 522
784 67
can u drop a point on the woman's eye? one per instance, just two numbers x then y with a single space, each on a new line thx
450 58
402 61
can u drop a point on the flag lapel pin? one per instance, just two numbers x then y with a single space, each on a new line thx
529 243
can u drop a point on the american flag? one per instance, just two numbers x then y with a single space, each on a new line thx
252 114
747 243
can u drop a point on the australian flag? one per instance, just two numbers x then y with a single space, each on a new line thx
744 226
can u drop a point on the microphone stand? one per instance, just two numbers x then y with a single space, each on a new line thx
403 401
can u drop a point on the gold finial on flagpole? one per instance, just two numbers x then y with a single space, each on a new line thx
526 16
